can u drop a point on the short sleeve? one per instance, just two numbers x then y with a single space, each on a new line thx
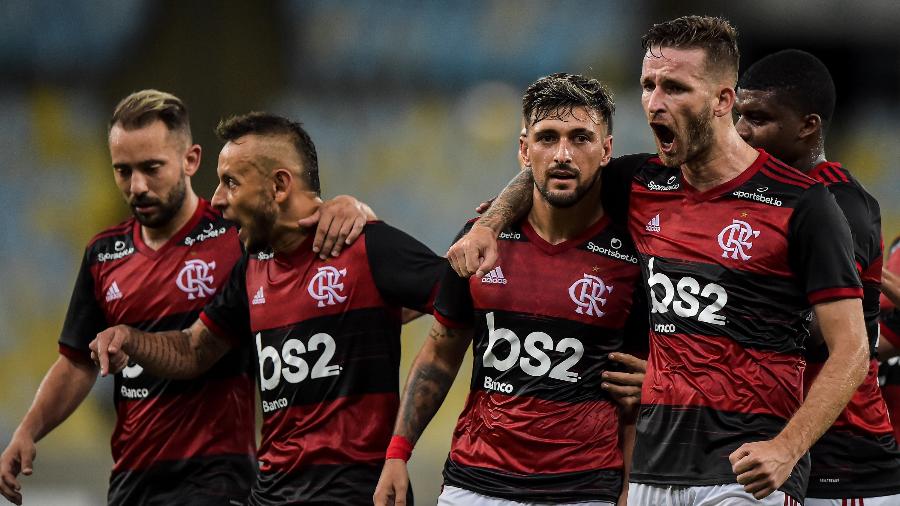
821 248
228 314
84 318
453 305
405 271
864 217
616 179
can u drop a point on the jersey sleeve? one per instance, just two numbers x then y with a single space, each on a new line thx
616 179
453 305
637 326
864 217
228 314
84 318
820 248
405 271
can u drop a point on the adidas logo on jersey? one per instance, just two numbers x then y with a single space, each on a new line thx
653 224
495 277
113 293
259 298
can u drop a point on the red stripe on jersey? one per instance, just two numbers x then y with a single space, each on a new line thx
339 431
780 177
451 324
889 334
872 274
75 355
891 394
830 294
527 435
219 331
689 370
787 172
189 425
866 411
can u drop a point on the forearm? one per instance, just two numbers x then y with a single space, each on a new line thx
429 380
176 354
512 203
62 390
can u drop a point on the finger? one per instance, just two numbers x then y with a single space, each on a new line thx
624 378
310 221
103 353
621 391
357 229
342 237
322 233
738 454
744 464
456 260
630 361
330 238
400 494
94 357
473 260
489 260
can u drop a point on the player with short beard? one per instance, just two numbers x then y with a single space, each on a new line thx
326 332
731 280
785 103
174 442
536 427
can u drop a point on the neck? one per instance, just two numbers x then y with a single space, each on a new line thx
809 160
287 235
556 225
155 238
727 157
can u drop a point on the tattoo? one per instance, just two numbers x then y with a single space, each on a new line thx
512 203
177 354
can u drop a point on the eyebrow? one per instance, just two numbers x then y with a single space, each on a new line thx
141 163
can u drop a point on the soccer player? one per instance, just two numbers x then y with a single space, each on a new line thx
326 333
175 442
732 251
785 104
536 427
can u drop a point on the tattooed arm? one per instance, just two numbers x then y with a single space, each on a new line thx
177 354
476 252
430 378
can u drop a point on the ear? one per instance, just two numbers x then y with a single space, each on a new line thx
724 102
283 181
812 125
192 159
608 148
524 160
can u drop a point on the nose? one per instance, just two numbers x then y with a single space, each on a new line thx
218 199
655 102
563 152
743 129
138 183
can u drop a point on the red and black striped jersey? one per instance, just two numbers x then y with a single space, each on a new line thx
731 275
174 440
326 334
858 455
536 426
889 373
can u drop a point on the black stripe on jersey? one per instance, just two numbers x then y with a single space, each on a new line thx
325 485
593 485
670 450
869 466
355 358
784 176
552 357
752 317
202 481
786 170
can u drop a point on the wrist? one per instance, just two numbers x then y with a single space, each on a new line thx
794 447
399 448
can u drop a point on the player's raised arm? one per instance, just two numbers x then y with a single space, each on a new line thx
429 380
63 389
476 252
178 354
338 221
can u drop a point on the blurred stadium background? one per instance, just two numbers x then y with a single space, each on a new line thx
414 107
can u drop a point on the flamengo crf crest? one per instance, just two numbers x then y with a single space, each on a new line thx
588 292
196 279
325 286
735 238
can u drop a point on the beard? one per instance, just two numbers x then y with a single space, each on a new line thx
258 233
697 139
565 199
168 205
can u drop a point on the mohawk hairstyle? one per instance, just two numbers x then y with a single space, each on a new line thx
713 34
262 123
556 95
142 108
799 79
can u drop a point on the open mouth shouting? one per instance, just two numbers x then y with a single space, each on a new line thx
665 138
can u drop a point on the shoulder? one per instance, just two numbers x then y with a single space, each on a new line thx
112 243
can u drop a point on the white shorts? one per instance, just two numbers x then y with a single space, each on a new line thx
889 500
455 496
640 494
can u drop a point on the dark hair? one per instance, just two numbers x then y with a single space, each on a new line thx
798 78
142 108
557 94
262 123
713 34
